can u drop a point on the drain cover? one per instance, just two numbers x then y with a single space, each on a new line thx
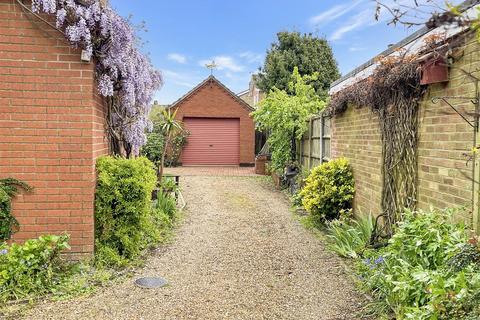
151 282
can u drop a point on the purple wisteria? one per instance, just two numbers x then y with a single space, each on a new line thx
123 73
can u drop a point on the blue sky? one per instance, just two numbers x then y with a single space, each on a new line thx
183 35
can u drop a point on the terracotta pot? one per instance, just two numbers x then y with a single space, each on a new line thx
260 162
434 71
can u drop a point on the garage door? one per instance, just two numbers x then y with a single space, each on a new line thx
212 142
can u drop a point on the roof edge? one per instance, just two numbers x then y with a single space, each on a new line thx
204 82
466 5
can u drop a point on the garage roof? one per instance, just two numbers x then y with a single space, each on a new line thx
205 82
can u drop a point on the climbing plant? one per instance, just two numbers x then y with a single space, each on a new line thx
392 92
125 77
284 115
9 187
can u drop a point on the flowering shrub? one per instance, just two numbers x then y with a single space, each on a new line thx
32 267
421 274
328 191
124 75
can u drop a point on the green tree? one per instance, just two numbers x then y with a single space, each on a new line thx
284 115
307 52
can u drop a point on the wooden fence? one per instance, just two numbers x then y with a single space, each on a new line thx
314 148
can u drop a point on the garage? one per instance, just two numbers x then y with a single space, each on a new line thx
212 141
221 129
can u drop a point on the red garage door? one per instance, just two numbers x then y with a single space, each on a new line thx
212 142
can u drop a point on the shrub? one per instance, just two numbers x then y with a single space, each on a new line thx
349 238
9 187
166 204
412 277
329 190
153 149
31 268
124 224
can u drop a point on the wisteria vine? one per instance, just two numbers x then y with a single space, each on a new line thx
125 76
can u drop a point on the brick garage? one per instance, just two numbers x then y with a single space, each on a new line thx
222 131
51 127
444 177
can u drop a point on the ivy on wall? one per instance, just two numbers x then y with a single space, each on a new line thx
9 187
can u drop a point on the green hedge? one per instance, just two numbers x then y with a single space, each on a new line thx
124 221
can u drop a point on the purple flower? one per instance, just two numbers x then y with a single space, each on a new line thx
3 252
379 260
122 70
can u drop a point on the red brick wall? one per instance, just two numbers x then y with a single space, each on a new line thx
51 128
211 100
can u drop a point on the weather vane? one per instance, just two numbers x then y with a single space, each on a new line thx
212 66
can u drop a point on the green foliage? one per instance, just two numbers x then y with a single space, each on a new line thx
284 116
8 189
124 225
412 278
306 52
156 139
329 190
349 238
31 268
165 204
468 254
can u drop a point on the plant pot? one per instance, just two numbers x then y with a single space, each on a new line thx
260 162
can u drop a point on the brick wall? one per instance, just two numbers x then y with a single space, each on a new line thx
211 100
356 136
445 180
51 128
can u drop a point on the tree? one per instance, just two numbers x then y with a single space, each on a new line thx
284 114
308 53
169 126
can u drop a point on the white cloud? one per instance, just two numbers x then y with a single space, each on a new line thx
251 57
224 63
333 13
358 21
180 58
180 79
356 49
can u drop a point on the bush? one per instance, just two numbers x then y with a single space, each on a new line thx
412 276
124 223
31 268
350 237
329 190
153 149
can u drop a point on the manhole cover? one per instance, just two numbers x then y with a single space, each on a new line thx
151 282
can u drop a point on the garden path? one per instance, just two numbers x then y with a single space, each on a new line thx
239 254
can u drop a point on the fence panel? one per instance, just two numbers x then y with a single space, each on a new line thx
314 148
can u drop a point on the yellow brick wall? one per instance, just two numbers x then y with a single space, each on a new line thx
356 136
445 180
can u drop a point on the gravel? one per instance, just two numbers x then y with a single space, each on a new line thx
239 254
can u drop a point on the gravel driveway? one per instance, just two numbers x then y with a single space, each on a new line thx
239 255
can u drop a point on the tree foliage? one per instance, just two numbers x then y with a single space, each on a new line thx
284 115
308 53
